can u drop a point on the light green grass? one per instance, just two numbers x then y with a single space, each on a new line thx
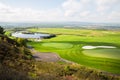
81 32
104 53
75 53
59 45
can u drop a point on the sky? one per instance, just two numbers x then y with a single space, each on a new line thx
60 10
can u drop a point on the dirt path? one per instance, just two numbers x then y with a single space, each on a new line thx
47 56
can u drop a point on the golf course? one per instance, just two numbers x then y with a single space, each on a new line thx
69 43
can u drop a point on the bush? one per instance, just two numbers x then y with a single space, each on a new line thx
22 42
2 30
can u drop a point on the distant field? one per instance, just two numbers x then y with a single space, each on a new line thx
81 32
69 42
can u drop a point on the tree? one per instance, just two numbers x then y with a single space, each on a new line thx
2 30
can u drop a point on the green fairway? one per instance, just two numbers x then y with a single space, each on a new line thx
69 45
104 53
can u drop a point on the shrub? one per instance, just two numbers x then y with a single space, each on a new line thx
2 30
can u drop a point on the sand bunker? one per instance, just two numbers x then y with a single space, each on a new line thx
94 47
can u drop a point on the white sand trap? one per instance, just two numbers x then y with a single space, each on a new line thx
94 47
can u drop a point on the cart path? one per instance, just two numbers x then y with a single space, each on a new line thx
47 56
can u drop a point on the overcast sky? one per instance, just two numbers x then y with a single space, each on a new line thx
60 10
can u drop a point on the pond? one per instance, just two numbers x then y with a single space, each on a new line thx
102 51
31 35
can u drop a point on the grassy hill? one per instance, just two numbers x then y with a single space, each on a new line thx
16 63
14 59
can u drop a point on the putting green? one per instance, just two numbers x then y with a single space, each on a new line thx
58 45
104 53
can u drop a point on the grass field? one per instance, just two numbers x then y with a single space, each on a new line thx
69 42
59 45
106 53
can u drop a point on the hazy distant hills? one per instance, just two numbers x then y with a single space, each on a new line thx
85 25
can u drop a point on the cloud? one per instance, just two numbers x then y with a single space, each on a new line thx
8 13
92 10
74 7
69 10
114 16
103 5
